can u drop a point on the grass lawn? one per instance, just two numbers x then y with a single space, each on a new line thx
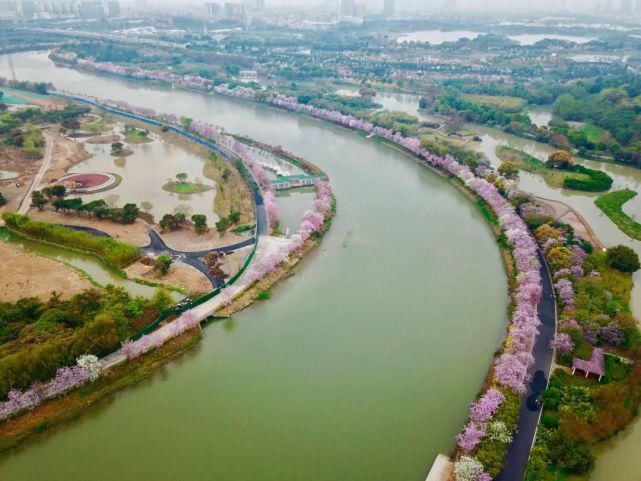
593 132
526 162
509 104
96 126
612 205
186 187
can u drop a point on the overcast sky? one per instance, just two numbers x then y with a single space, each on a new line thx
507 6
550 5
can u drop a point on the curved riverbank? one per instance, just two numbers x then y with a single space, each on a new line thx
56 411
342 315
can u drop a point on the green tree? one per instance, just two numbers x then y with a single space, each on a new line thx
58 190
162 264
3 200
200 223
182 177
130 212
38 200
234 217
222 225
623 259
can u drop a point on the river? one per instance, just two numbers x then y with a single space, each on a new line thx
361 365
614 456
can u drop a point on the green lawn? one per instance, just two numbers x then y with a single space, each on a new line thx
612 205
509 104
593 132
186 187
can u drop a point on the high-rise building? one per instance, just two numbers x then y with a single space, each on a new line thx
234 11
348 8
388 8
255 5
213 10
626 6
113 8
91 9
360 9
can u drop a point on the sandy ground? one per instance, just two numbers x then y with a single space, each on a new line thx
188 240
180 275
66 153
135 233
13 160
35 276
567 214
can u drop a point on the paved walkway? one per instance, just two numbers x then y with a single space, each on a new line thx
266 246
519 451
46 162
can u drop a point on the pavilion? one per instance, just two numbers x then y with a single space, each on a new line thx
596 364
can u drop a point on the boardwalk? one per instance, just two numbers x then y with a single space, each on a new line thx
519 451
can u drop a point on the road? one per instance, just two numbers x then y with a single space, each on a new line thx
46 162
519 451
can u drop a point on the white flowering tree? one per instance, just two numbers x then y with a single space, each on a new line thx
92 364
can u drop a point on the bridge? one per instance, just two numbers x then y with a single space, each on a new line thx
293 181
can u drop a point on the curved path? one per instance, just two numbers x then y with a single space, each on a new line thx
194 259
157 246
26 200
519 451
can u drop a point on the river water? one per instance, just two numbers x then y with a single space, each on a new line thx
361 365
617 456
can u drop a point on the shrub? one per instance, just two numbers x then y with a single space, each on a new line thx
162 264
200 223
598 181
550 421
111 251
571 456
623 259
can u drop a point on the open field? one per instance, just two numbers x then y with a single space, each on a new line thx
510 104
25 273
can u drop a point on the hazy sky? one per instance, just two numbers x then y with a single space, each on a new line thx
550 5
427 5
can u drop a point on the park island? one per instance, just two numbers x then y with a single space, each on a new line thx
223 260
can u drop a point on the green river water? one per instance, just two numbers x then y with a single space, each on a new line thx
359 368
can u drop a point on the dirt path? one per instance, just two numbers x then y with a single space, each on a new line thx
565 213
26 201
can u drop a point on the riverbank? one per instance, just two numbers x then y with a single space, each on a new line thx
14 431
376 329
244 298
